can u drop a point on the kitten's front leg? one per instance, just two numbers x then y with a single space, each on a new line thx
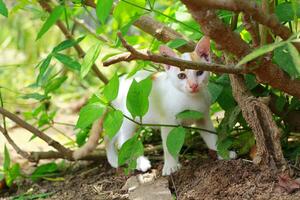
209 138
171 164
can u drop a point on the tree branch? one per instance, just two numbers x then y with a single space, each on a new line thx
249 7
64 151
266 72
182 64
158 30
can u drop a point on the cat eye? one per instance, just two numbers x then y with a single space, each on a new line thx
199 73
181 75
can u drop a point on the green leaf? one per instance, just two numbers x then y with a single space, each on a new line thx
223 148
88 114
3 9
295 56
113 122
259 52
44 170
280 103
89 59
215 90
189 114
285 11
6 163
124 11
130 151
81 137
51 20
67 44
284 59
43 67
55 84
175 141
35 96
103 9
176 43
137 101
111 90
68 61
12 174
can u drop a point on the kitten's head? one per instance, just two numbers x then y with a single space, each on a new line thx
189 81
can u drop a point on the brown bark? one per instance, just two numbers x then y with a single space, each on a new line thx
255 112
258 116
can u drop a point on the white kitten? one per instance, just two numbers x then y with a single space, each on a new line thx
173 91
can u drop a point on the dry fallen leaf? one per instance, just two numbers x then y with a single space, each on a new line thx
287 184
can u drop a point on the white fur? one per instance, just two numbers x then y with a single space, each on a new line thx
169 96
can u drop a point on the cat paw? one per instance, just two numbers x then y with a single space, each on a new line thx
169 169
143 164
232 155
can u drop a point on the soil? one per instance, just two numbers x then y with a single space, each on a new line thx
205 179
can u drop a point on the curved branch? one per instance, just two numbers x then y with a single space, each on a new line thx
182 64
51 142
267 72
249 7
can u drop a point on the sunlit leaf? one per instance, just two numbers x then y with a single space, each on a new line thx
130 151
51 20
103 9
44 170
176 43
88 114
68 61
189 114
55 84
111 90
259 52
89 59
113 122
137 98
67 44
175 141
6 163
3 9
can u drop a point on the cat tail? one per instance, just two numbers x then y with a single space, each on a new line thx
92 142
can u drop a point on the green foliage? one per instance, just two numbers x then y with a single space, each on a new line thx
68 61
130 151
113 122
285 11
51 20
3 9
89 113
176 43
103 9
125 11
54 84
284 59
111 90
89 59
137 98
189 114
11 171
81 137
45 170
175 141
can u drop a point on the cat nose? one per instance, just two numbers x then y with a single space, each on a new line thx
194 86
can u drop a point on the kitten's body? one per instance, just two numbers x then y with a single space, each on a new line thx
173 91
165 101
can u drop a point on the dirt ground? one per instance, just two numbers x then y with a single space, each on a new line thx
207 179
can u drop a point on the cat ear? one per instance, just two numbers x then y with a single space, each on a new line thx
203 48
167 51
